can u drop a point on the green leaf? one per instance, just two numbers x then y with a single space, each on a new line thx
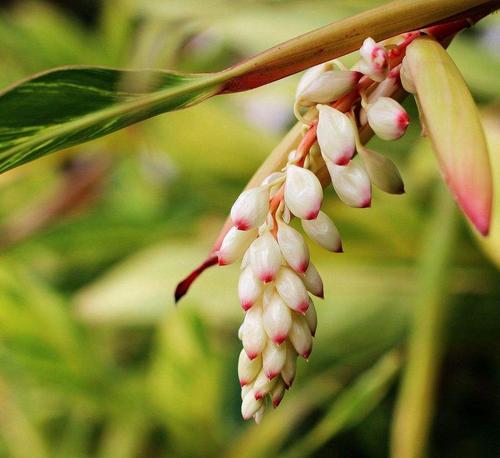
65 107
452 121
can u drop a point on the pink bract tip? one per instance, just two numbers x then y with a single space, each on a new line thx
302 267
251 356
302 308
241 225
246 305
403 120
277 401
266 278
271 375
258 395
278 340
243 383
307 353
312 215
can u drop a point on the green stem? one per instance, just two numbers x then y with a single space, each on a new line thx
414 408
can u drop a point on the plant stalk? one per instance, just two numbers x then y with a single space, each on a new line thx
415 403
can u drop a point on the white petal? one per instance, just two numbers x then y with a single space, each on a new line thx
265 257
250 405
312 318
248 368
262 385
278 392
277 319
374 60
234 245
254 336
293 248
273 359
312 281
300 336
249 288
387 118
290 367
351 183
250 209
292 290
324 232
328 87
303 192
335 135
309 76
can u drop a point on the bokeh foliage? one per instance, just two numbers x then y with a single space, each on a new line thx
94 358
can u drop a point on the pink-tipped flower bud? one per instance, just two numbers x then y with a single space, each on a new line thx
303 192
262 385
249 288
293 248
406 78
273 359
265 257
259 415
324 232
234 245
253 334
327 87
277 319
248 368
351 183
387 118
300 336
292 290
278 392
250 209
373 60
250 405
335 135
312 281
382 171
290 367
312 318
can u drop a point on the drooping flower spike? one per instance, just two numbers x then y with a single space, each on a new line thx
277 276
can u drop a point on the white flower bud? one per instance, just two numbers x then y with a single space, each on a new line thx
323 231
300 336
303 192
373 60
387 118
245 389
249 288
327 87
312 281
277 319
335 135
351 183
382 171
241 330
248 368
290 367
406 78
309 76
293 248
312 318
273 359
278 392
250 209
259 415
250 405
265 257
292 290
234 245
253 335
262 385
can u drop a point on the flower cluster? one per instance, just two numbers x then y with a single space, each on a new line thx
277 276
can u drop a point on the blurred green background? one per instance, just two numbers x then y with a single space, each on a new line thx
95 360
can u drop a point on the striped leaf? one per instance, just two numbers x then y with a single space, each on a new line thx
452 121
